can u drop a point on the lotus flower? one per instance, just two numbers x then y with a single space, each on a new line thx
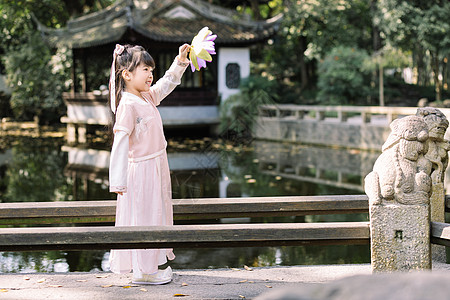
202 48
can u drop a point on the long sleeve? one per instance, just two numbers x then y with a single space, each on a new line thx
118 164
168 82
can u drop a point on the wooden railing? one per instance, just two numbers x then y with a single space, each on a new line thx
178 236
202 208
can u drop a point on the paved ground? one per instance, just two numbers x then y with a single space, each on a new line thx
187 284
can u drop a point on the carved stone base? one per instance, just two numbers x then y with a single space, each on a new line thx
400 237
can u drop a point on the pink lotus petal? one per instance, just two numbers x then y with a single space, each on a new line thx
201 63
192 67
211 38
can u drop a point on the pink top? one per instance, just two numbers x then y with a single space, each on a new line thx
142 121
138 131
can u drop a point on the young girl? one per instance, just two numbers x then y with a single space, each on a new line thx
139 171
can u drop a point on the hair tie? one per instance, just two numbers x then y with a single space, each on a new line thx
112 77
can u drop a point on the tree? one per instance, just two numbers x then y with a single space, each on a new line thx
419 26
342 79
259 9
310 29
37 74
37 79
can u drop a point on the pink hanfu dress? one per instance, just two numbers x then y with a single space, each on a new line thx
139 168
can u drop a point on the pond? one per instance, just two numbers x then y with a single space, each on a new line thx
45 169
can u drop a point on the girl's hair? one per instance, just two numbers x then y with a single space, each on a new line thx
129 59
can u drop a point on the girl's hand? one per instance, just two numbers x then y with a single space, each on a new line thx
183 52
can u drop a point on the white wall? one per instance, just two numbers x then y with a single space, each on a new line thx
240 56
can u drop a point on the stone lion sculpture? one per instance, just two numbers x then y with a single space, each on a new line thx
401 174
438 147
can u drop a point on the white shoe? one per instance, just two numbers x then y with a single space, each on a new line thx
160 277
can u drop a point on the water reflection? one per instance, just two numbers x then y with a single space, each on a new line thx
48 170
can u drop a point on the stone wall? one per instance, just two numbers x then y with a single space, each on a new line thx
326 133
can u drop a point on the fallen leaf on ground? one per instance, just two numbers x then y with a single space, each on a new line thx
184 284
248 268
240 296
251 282
143 290
235 269
101 276
55 285
242 281
180 295
3 290
127 287
41 280
26 278
107 285
268 286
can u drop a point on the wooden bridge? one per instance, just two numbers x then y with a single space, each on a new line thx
13 238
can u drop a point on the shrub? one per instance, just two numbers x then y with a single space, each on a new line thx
37 79
341 77
238 112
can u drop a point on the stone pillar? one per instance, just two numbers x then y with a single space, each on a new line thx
437 214
71 133
82 133
399 189
400 237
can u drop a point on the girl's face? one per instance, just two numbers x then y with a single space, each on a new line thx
139 80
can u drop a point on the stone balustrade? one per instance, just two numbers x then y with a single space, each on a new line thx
359 127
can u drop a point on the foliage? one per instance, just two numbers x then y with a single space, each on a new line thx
388 57
327 24
36 74
16 19
238 112
309 30
341 77
37 79
421 26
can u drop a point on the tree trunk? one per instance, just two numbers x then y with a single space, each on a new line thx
381 84
435 64
376 37
255 9
301 60
445 70
420 64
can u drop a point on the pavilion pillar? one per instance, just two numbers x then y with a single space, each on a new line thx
74 71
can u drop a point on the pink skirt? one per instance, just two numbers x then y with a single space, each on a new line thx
148 202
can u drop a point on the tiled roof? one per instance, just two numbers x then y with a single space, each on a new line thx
181 30
152 19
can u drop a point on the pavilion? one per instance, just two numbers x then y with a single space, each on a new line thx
160 26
